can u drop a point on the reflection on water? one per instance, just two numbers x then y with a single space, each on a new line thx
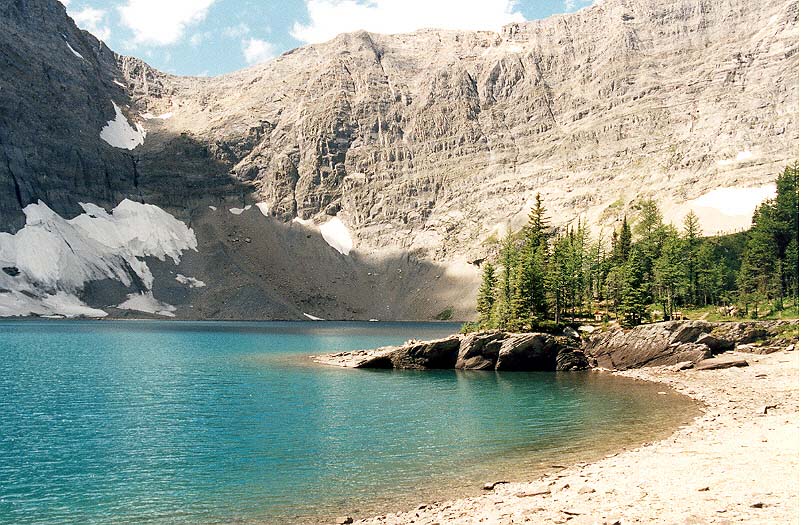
176 422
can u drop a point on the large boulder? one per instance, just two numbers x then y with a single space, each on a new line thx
719 363
657 344
531 352
569 359
479 351
440 353
763 333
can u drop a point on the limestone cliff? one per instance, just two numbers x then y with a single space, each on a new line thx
424 145
434 140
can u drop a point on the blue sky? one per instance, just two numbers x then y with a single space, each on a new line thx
211 37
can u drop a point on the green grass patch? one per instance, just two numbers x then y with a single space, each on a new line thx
445 315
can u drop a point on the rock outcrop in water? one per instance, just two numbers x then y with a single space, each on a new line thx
658 344
479 351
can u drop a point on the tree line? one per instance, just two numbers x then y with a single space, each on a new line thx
545 276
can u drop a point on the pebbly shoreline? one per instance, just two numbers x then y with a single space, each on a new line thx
738 461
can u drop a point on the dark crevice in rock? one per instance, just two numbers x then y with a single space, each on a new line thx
12 271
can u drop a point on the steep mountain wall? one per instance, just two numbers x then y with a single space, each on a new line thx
425 146
433 140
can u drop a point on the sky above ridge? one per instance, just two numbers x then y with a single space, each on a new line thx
211 37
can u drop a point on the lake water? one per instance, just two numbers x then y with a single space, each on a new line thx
229 422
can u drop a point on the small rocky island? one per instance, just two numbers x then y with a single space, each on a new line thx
680 343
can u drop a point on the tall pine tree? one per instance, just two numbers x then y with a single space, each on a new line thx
486 296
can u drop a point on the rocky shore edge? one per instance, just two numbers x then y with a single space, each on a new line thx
683 344
736 462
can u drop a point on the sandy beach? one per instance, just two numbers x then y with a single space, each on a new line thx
737 462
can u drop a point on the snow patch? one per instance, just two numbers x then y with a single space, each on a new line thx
145 302
213 208
741 156
191 281
313 318
303 222
73 51
151 116
53 257
57 305
119 132
337 236
237 211
123 86
725 210
264 208
735 201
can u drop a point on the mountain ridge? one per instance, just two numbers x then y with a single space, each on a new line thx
426 146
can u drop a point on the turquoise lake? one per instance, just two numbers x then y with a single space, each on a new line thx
169 422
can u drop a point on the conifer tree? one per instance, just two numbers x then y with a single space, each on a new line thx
505 300
486 295
692 243
669 274
710 275
786 228
537 223
557 276
624 242
633 296
758 270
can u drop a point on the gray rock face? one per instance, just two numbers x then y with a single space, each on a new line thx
58 84
656 344
675 342
747 332
410 138
678 343
719 363
479 351
528 352
436 354
568 360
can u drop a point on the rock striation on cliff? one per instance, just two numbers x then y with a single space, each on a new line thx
424 146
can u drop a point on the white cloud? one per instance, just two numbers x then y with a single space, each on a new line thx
328 18
198 38
161 22
93 20
237 31
574 5
256 50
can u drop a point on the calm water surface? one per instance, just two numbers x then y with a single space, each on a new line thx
217 422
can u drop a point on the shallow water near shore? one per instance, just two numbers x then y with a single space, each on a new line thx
221 422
